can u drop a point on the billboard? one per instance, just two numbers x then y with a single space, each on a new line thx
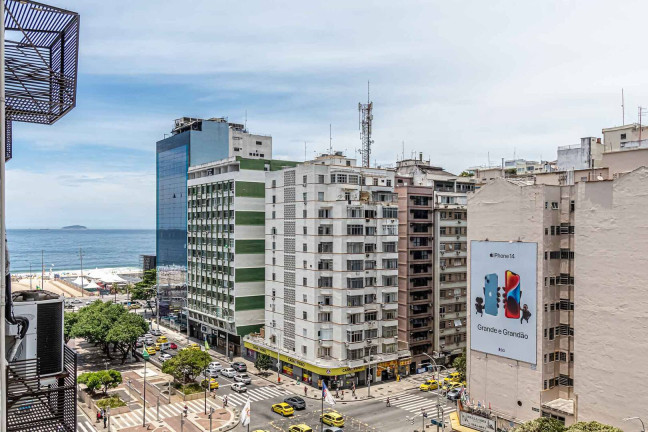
503 299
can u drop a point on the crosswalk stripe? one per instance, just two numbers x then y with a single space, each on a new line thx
84 427
195 404
273 391
237 399
164 409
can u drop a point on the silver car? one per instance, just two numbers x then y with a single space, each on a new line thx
239 387
243 378
229 373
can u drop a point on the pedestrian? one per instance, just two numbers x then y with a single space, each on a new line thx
342 394
105 420
186 410
98 416
305 390
225 401
337 394
388 403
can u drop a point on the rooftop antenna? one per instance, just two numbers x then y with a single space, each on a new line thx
365 124
622 107
245 127
330 139
403 150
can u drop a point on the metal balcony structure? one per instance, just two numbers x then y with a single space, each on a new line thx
41 61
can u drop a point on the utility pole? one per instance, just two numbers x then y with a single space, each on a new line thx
81 258
30 277
42 269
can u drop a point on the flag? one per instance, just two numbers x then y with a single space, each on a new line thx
245 414
145 354
326 395
206 345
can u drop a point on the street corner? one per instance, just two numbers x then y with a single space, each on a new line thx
219 418
312 419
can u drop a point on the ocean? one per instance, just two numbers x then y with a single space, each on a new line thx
101 248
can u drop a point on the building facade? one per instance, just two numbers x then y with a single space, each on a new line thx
625 137
588 154
332 274
226 245
192 142
432 261
541 214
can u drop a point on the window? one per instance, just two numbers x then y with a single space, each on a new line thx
324 213
554 205
325 247
305 282
259 143
304 333
305 265
305 195
305 180
304 349
370 264
325 230
354 335
390 229
370 247
355 265
353 179
371 316
390 263
354 283
389 182
274 214
354 212
305 247
325 264
304 214
389 246
354 229
390 212
305 315
274 183
320 196
274 276
325 282
623 136
353 301
370 231
320 179
420 201
354 248
274 199
390 280
305 230
338 178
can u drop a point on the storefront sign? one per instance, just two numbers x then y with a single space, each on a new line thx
476 422
316 369
405 362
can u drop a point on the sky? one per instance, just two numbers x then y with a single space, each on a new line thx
464 83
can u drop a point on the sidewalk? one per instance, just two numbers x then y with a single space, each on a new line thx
362 393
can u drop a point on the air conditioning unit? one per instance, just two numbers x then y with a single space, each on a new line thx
44 337
442 252
368 341
320 341
443 267
458 236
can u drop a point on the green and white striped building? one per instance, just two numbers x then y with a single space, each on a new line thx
225 249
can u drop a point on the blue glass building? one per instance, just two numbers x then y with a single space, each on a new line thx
193 142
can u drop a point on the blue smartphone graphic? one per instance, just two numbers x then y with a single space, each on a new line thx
490 292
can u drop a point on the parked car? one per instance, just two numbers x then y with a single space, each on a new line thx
139 344
454 394
296 402
243 378
162 339
229 372
77 301
454 376
300 428
239 387
332 429
239 366
155 332
172 345
283 408
150 350
332 418
165 357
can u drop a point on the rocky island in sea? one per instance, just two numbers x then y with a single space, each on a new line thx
74 227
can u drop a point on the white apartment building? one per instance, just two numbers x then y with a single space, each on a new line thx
332 273
625 137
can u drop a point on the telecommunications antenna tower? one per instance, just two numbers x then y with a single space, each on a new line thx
366 119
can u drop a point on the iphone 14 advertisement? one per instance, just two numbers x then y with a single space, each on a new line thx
512 294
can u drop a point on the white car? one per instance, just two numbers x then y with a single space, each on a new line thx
239 387
229 373
215 365
165 357
156 332
243 378
212 372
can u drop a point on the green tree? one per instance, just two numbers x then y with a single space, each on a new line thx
69 320
466 174
263 362
95 321
186 365
592 426
542 424
104 379
459 364
124 333
146 288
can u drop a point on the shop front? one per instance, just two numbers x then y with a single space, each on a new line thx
335 378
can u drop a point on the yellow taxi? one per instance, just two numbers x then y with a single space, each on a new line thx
150 350
162 339
454 376
283 408
300 428
451 385
134 306
332 418
193 346
428 385
158 346
213 384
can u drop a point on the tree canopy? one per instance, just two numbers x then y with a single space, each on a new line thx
105 324
103 379
592 426
459 364
69 321
263 362
544 424
186 365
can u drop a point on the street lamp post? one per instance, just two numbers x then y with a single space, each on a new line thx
643 428
211 414
436 366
